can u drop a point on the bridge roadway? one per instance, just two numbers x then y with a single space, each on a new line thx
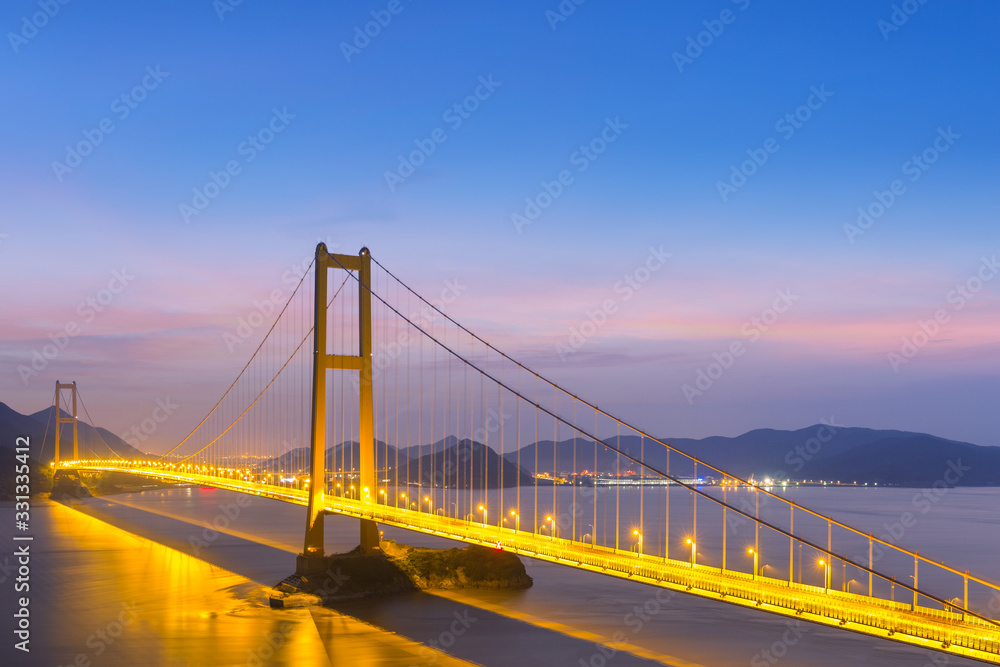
926 627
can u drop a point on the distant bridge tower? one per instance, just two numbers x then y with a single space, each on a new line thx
323 360
60 420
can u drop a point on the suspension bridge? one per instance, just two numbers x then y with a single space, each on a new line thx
365 399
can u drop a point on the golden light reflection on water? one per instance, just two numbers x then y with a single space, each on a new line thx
362 645
188 612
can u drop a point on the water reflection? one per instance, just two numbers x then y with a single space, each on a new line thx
210 609
106 597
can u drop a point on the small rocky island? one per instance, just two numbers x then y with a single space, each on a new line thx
398 568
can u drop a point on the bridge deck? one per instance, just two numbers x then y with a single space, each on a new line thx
927 627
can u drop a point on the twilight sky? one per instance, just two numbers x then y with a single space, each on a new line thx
823 179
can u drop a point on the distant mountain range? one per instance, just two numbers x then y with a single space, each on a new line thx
40 427
465 462
344 456
819 452
449 461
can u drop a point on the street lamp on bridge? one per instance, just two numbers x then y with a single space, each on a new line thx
639 544
694 553
754 553
826 574
517 519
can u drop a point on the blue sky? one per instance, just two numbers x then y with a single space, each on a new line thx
224 75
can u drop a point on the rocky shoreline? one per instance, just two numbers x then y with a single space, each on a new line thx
399 568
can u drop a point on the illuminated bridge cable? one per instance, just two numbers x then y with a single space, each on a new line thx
264 390
45 437
693 487
670 447
271 382
254 356
79 396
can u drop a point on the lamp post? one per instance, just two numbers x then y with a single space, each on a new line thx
638 551
754 553
403 496
552 527
517 519
826 575
693 550
430 505
482 508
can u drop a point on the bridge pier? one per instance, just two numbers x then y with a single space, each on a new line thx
309 565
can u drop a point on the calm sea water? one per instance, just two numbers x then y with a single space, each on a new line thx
144 579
